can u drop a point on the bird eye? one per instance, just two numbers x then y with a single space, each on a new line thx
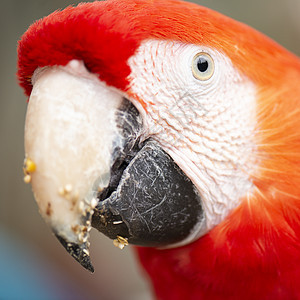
203 66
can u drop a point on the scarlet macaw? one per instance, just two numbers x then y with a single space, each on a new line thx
167 125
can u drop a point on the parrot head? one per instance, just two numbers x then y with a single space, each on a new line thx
150 121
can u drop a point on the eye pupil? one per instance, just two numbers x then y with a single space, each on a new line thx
202 64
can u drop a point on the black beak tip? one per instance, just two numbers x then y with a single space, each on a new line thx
78 251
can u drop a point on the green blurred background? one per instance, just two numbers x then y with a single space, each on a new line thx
33 265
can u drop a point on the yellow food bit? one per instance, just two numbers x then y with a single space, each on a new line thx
28 168
68 188
68 193
120 242
61 191
27 178
86 251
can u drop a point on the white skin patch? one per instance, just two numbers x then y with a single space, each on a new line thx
207 127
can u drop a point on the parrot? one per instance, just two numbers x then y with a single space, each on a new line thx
175 129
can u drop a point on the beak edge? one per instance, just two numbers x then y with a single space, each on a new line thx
78 252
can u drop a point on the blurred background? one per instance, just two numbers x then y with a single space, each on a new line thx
33 265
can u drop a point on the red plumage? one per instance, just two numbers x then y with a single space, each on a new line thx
255 252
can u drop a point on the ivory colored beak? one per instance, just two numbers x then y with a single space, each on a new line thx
70 131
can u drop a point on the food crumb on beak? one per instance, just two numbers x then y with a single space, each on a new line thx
29 167
120 242
68 193
86 251
65 191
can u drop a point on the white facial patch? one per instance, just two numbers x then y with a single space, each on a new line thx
207 127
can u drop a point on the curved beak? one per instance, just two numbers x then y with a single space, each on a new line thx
71 135
88 167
